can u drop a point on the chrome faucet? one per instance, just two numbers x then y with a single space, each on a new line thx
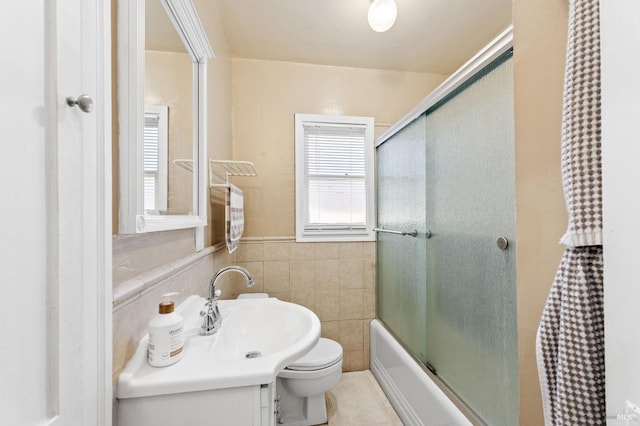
212 320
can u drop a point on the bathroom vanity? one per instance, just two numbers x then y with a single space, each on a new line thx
224 379
247 405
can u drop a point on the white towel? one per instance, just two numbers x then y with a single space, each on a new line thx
234 217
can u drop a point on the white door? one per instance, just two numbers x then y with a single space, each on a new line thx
620 44
54 221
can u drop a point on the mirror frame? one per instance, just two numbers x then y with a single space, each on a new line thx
131 49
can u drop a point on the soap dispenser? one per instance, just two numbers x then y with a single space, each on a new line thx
166 335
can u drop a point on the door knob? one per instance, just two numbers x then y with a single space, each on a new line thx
84 102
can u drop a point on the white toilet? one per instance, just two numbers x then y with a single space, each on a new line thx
301 385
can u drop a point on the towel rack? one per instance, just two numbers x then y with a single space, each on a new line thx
413 233
185 164
221 170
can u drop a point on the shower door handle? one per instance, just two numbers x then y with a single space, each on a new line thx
502 243
412 233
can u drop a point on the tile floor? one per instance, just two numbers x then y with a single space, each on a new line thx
358 400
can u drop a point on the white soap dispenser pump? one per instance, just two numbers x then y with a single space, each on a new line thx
166 335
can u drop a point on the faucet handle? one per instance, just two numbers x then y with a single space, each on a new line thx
208 307
217 294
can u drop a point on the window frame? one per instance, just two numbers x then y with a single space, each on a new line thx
331 234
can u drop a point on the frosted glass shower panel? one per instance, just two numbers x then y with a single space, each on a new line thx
470 203
401 290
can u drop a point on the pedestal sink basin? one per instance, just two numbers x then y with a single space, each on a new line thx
258 338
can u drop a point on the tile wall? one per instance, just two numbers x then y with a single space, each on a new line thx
335 280
131 316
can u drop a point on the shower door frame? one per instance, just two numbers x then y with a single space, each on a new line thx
499 46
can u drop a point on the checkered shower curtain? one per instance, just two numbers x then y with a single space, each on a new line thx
570 340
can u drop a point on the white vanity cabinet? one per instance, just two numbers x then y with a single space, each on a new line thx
242 406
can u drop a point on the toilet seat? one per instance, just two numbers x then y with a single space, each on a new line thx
324 354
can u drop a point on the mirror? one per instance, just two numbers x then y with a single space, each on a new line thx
168 117
162 54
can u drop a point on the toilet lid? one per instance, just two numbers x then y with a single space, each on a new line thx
325 353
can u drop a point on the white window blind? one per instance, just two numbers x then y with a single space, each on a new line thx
335 172
154 154
332 178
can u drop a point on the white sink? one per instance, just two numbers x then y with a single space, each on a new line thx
276 333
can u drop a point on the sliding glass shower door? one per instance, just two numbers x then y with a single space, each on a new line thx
401 259
451 298
471 298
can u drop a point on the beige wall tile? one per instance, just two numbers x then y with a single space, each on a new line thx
227 287
351 250
302 251
250 252
369 303
327 250
351 273
366 329
351 303
126 333
276 250
328 304
306 298
276 276
346 361
369 250
302 275
327 273
331 330
351 335
284 296
368 273
355 361
367 344
256 269
242 288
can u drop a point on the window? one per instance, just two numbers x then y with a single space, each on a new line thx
155 158
334 178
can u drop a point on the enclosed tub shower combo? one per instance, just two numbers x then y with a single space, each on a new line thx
446 328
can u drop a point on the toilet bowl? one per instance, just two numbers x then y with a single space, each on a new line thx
301 386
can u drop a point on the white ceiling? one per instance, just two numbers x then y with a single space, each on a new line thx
429 35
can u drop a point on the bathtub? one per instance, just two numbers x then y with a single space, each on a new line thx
414 396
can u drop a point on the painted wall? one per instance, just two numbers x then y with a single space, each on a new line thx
620 30
540 28
267 94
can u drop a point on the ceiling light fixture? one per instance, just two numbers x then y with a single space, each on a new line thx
382 15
